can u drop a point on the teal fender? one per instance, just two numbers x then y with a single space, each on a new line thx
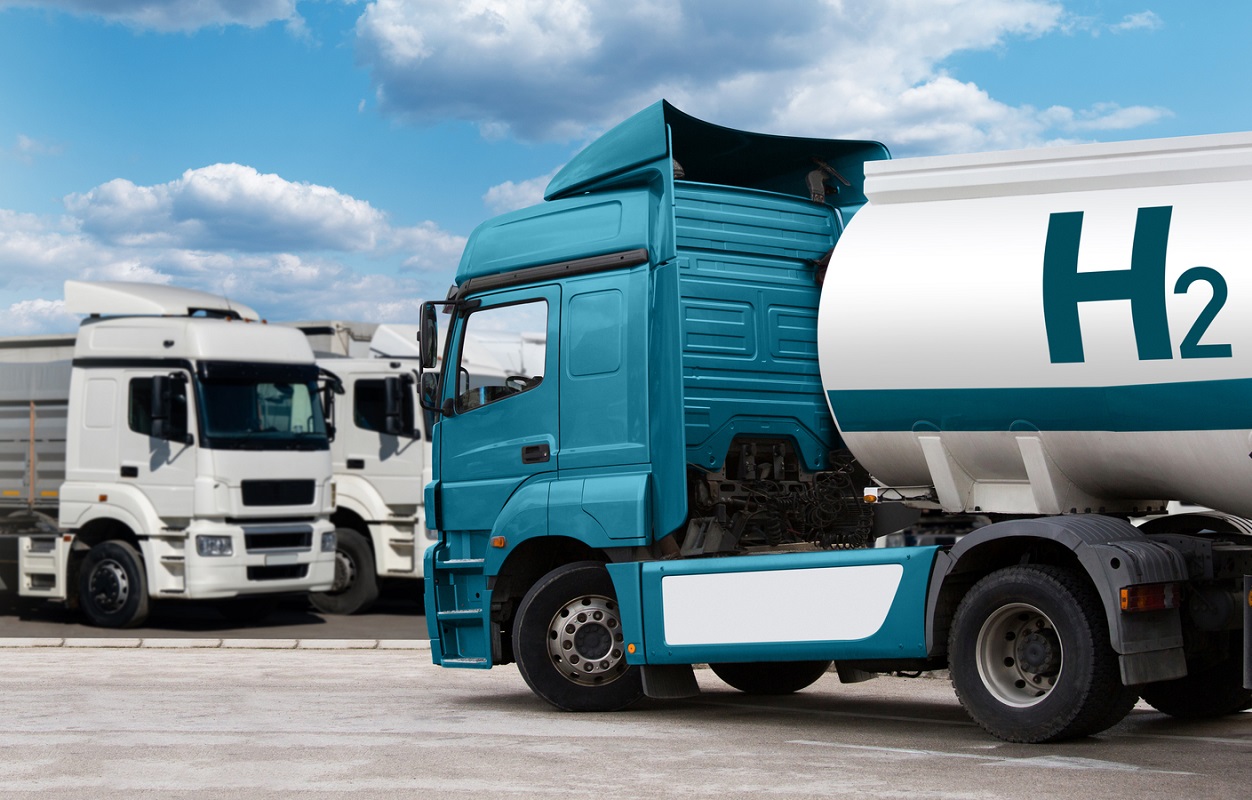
603 511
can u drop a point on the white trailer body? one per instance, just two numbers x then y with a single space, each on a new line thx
1093 354
180 454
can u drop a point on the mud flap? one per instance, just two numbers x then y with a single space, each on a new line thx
669 681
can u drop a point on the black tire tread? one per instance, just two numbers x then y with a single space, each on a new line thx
363 592
1100 705
530 646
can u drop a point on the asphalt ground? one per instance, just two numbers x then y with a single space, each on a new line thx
184 718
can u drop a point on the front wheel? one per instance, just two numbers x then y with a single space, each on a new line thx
569 644
1030 657
771 677
356 583
113 587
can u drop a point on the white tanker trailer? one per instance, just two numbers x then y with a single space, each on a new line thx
1050 331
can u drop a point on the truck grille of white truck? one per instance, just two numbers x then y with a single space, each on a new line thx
276 538
278 493
279 573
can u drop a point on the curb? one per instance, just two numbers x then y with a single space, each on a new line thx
216 644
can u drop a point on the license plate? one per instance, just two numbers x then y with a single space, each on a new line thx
281 559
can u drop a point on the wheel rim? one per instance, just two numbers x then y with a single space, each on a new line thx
1019 655
109 585
585 641
345 572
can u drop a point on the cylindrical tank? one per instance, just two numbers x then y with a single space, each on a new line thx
1065 329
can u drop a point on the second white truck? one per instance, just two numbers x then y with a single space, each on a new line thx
381 447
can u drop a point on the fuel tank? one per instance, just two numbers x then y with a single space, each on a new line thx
1059 330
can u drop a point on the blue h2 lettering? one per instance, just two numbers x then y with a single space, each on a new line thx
1064 287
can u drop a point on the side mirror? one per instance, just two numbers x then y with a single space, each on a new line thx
165 424
430 391
398 406
332 385
428 345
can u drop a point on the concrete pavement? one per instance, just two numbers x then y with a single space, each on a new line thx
155 720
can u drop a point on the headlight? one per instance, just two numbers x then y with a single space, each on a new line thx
328 542
214 546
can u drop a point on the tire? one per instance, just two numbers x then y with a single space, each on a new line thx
771 677
1203 693
113 586
1030 657
356 583
568 641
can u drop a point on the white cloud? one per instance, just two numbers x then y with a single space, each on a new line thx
510 196
177 15
39 316
429 247
228 206
291 250
539 69
26 149
1144 20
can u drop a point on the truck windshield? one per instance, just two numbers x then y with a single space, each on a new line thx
260 407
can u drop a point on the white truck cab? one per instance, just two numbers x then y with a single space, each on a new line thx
186 456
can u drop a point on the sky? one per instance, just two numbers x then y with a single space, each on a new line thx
326 159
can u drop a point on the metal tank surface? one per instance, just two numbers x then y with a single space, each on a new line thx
1049 331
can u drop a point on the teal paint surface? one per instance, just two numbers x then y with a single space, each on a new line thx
749 320
1064 287
1191 346
565 230
1185 406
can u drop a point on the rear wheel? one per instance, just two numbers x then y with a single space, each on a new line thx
113 587
568 641
356 583
1030 657
771 677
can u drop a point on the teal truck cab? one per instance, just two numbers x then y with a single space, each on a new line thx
681 477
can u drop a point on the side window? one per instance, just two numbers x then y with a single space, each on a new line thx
369 405
139 407
493 364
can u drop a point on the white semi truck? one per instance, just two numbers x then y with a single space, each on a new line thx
174 449
381 449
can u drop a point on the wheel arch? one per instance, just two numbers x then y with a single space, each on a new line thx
95 531
1110 552
525 564
344 517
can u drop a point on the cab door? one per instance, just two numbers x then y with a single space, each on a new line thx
500 431
164 467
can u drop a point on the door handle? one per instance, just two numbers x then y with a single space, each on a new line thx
536 453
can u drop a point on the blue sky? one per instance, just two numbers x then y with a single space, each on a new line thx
325 159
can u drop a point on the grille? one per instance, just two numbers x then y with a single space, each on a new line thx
285 572
263 540
278 493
